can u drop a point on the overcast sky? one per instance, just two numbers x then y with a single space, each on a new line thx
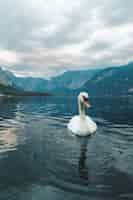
46 37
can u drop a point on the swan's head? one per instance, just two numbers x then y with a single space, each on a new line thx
83 99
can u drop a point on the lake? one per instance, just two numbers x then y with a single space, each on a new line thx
40 159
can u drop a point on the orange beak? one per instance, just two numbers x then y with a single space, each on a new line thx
87 104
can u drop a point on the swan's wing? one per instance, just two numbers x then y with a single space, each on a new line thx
82 126
91 125
73 124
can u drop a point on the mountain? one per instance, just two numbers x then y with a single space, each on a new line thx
11 85
62 83
7 83
111 81
6 77
71 79
31 84
8 90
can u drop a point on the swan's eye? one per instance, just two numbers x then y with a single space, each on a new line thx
85 98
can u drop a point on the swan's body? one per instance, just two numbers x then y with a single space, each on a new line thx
82 124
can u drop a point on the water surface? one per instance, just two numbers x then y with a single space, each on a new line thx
41 159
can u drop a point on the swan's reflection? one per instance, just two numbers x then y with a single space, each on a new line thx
83 169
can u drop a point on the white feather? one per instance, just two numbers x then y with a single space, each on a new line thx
82 124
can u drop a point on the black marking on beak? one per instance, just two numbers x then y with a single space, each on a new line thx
85 99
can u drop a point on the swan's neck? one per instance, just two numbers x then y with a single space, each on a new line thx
81 109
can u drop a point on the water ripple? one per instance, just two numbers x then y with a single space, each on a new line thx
37 148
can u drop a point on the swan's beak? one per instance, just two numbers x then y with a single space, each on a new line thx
87 104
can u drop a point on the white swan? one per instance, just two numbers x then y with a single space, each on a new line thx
81 124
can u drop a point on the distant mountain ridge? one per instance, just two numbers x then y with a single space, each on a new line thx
6 77
111 81
31 84
8 90
71 79
9 86
67 81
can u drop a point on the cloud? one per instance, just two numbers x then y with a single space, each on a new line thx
8 57
46 37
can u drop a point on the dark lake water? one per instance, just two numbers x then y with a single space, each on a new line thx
41 160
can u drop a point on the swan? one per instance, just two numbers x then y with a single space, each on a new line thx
82 124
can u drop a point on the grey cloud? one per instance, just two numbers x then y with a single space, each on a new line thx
76 40
99 46
117 12
16 22
71 32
